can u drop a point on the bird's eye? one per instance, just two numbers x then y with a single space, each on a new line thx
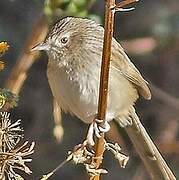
64 40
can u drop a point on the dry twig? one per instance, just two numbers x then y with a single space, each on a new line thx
110 8
26 59
102 104
153 161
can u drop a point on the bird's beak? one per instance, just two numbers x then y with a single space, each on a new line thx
41 47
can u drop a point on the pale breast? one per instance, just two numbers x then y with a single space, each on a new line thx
78 93
72 95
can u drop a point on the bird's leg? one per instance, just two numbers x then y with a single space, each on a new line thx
96 128
100 129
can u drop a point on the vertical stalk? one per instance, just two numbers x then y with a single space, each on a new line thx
103 90
158 169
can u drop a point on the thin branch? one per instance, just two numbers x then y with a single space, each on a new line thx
152 159
47 176
125 3
26 59
171 147
164 96
58 129
108 34
103 90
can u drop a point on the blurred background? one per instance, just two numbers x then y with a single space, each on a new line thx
150 36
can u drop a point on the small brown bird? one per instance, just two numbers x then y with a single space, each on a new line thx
74 46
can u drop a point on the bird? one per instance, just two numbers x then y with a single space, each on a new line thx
74 47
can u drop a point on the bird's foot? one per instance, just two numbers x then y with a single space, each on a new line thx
97 129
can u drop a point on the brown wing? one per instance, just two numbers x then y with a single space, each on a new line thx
121 62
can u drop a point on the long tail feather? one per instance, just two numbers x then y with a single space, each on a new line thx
148 152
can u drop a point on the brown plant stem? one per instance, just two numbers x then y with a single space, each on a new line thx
125 3
19 73
108 34
104 77
103 91
165 96
152 159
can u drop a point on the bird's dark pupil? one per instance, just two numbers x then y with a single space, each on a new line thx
64 39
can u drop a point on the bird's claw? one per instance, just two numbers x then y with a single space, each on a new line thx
96 128
100 129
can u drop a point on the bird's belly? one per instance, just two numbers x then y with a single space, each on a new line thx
79 96
70 97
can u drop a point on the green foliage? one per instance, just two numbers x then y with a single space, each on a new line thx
54 9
